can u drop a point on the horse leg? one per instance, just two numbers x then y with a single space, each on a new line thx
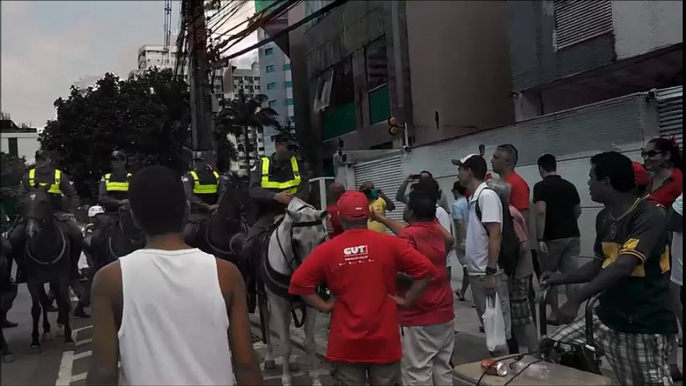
282 322
45 303
64 304
265 324
311 345
5 352
36 289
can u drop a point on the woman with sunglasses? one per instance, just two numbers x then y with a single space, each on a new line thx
662 159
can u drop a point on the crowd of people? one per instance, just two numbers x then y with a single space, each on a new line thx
505 237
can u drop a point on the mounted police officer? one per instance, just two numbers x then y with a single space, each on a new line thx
46 174
204 189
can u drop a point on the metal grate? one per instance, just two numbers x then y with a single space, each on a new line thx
670 111
580 20
387 174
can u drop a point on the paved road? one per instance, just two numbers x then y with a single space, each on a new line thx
56 366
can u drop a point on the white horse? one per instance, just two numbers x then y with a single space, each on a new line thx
293 240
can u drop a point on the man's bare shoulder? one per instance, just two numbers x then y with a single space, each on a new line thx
229 275
108 278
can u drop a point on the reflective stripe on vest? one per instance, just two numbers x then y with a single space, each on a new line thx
290 186
54 188
199 188
117 186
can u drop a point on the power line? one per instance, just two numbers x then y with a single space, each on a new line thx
225 61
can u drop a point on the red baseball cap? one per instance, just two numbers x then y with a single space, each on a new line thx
353 205
641 177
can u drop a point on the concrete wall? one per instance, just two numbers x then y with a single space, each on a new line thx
534 61
644 26
27 144
460 67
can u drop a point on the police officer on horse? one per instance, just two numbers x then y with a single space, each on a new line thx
274 182
204 189
113 195
46 174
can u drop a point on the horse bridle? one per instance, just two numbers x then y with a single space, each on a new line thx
297 259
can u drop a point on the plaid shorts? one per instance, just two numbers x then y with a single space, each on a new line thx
636 359
519 301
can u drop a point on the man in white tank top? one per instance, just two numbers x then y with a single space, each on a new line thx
172 315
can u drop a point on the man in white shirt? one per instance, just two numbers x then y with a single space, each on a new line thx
483 238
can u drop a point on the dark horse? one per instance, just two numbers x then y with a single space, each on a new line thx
222 234
7 288
47 259
118 237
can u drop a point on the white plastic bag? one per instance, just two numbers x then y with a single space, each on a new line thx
494 324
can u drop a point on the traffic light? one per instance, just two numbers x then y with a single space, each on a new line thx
394 127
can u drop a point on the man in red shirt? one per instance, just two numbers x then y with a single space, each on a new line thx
359 267
503 163
333 221
428 326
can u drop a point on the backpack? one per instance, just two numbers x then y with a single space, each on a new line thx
509 242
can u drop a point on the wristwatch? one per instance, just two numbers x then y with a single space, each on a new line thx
491 271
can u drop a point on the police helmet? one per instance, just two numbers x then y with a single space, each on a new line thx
118 155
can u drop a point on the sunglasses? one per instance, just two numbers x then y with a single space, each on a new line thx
650 153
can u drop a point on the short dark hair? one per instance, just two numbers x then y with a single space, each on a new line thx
459 188
478 166
511 151
422 205
429 186
427 172
617 168
547 162
158 200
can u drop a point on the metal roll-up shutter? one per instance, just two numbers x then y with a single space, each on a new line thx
669 108
577 21
386 173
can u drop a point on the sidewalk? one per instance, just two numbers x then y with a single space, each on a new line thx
470 344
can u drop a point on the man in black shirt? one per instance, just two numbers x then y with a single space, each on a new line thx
558 207
632 324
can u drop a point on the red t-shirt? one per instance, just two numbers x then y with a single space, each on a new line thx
519 196
335 220
670 190
359 267
435 304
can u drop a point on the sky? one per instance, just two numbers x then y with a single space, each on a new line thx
46 46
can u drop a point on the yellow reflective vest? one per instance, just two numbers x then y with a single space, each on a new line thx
54 187
290 186
117 186
199 188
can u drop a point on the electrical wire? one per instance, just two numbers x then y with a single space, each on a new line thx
522 370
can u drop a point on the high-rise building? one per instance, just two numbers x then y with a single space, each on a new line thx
277 85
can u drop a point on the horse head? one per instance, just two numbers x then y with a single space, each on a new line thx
38 210
305 224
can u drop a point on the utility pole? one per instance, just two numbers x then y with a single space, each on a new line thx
201 103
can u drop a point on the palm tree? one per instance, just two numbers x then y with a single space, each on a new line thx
236 118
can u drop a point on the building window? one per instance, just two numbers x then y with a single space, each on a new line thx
257 79
13 146
257 87
269 69
340 115
268 51
289 84
248 78
578 21
287 67
377 63
272 103
271 85
289 101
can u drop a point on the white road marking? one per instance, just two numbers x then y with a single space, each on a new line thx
84 354
77 330
64 375
78 377
82 342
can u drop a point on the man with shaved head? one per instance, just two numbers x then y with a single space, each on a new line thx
333 220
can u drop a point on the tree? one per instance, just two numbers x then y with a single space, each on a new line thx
13 170
147 116
238 116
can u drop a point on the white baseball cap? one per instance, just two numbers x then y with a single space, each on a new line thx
95 210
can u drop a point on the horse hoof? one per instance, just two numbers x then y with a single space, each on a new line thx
294 366
286 381
35 350
270 365
316 382
60 331
7 358
47 337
